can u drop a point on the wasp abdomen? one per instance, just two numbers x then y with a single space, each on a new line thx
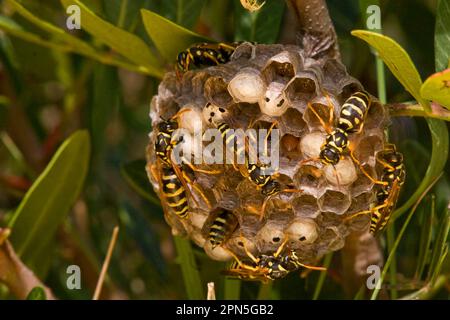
354 111
222 227
174 192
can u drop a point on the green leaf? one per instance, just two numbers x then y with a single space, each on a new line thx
440 245
183 12
439 156
37 293
121 41
189 269
397 60
168 37
261 26
134 173
50 198
68 44
58 34
437 88
442 36
11 27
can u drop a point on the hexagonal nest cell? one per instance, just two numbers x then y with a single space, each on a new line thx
260 86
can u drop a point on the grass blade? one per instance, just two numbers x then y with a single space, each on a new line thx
191 275
397 241
425 240
440 244
322 276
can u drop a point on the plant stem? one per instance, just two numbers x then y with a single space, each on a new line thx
416 110
397 241
322 276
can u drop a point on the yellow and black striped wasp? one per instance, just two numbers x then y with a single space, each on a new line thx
265 268
257 173
392 179
174 178
222 227
351 120
205 54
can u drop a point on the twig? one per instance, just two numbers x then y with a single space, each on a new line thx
416 110
105 266
211 291
314 23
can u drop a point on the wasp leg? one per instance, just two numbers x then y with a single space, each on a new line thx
266 141
281 247
193 168
210 56
358 163
239 262
249 254
327 127
381 206
386 164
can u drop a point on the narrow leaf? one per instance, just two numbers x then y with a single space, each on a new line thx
121 41
37 293
189 269
440 243
425 240
168 37
437 88
57 33
49 199
397 60
439 156
442 35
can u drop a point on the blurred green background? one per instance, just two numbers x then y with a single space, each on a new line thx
47 93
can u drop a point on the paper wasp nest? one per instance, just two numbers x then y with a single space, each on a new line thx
260 85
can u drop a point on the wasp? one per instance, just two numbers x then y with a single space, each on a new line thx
174 178
351 119
392 179
265 267
222 227
205 54
255 172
